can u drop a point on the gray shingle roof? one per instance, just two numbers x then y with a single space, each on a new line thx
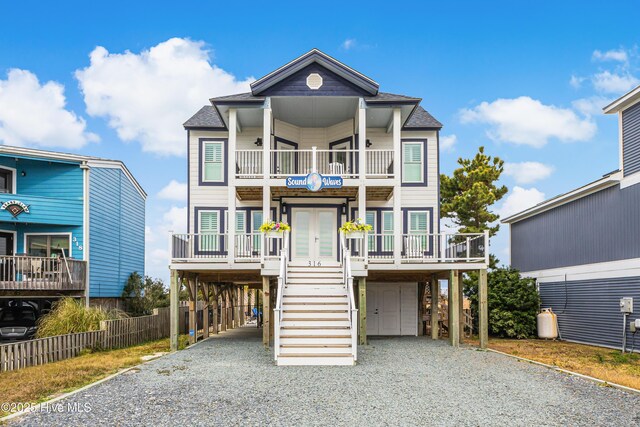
380 97
421 119
239 97
206 117
391 97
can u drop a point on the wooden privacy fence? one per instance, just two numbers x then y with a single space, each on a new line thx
112 334
44 350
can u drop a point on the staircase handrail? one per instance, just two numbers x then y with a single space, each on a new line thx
282 282
348 282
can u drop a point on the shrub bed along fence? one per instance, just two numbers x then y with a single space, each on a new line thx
113 334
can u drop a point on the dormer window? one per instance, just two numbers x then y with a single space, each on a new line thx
7 179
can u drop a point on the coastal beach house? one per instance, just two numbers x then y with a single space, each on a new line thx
316 144
583 247
70 225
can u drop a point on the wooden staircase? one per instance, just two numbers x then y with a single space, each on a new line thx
315 326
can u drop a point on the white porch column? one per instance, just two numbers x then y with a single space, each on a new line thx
397 188
362 189
266 160
231 201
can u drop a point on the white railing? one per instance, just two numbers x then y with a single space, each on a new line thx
199 245
342 163
282 283
379 163
249 164
249 246
348 283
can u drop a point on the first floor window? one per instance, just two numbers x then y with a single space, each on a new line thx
42 245
213 161
412 162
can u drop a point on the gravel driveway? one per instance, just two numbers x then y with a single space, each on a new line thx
231 380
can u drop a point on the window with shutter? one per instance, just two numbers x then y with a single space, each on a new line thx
387 231
213 161
371 220
209 229
418 226
256 222
412 162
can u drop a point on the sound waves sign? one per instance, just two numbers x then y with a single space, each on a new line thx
314 182
15 207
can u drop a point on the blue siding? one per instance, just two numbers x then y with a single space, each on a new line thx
631 140
600 227
588 310
332 84
46 178
116 231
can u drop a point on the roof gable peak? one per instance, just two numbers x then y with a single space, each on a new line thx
315 56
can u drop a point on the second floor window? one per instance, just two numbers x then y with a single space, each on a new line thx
213 161
412 162
6 181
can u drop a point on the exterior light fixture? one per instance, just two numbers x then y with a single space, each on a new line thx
258 142
283 208
344 209
368 143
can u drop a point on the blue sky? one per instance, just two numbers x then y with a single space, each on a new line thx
527 82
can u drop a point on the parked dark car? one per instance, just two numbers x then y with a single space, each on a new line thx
18 323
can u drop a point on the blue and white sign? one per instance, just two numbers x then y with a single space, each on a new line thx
314 182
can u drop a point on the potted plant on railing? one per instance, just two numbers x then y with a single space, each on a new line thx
274 229
355 229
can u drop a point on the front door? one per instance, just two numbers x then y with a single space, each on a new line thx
6 243
314 236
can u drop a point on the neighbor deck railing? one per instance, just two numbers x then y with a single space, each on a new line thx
41 273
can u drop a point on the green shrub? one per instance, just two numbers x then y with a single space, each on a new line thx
70 315
513 303
140 296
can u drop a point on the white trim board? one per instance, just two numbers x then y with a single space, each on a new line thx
602 270
15 239
14 178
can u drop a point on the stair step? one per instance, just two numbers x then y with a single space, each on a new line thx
315 340
315 350
316 327
313 296
316 355
315 345
315 336
324 360
314 299
314 306
316 280
316 319
313 310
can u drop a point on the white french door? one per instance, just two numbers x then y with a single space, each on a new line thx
314 236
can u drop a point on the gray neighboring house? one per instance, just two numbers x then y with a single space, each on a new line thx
583 247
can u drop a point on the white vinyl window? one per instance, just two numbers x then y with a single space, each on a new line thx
387 231
418 229
412 162
241 224
209 231
213 161
371 220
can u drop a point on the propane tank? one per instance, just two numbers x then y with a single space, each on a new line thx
547 324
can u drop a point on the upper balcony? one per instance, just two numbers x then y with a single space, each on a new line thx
379 163
37 274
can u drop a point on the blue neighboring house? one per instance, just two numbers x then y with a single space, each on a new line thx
583 247
69 225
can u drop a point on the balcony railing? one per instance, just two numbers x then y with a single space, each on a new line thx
423 248
416 248
379 163
31 273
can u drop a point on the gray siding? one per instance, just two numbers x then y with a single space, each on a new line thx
604 226
332 84
631 140
588 310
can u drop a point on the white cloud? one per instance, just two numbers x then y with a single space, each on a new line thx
608 82
592 105
157 240
348 44
147 96
520 199
174 191
448 142
619 55
527 172
576 81
34 114
527 121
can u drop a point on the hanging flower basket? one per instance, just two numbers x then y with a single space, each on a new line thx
274 230
355 229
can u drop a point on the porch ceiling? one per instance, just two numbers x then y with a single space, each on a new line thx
373 193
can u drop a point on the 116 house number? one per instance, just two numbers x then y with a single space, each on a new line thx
315 264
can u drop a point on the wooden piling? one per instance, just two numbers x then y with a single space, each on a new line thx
454 310
483 309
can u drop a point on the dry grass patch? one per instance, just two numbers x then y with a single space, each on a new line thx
40 383
602 363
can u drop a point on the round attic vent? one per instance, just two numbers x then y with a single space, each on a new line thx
314 81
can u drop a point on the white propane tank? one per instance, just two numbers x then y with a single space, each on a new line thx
547 324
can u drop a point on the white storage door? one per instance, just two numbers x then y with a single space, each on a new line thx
409 309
